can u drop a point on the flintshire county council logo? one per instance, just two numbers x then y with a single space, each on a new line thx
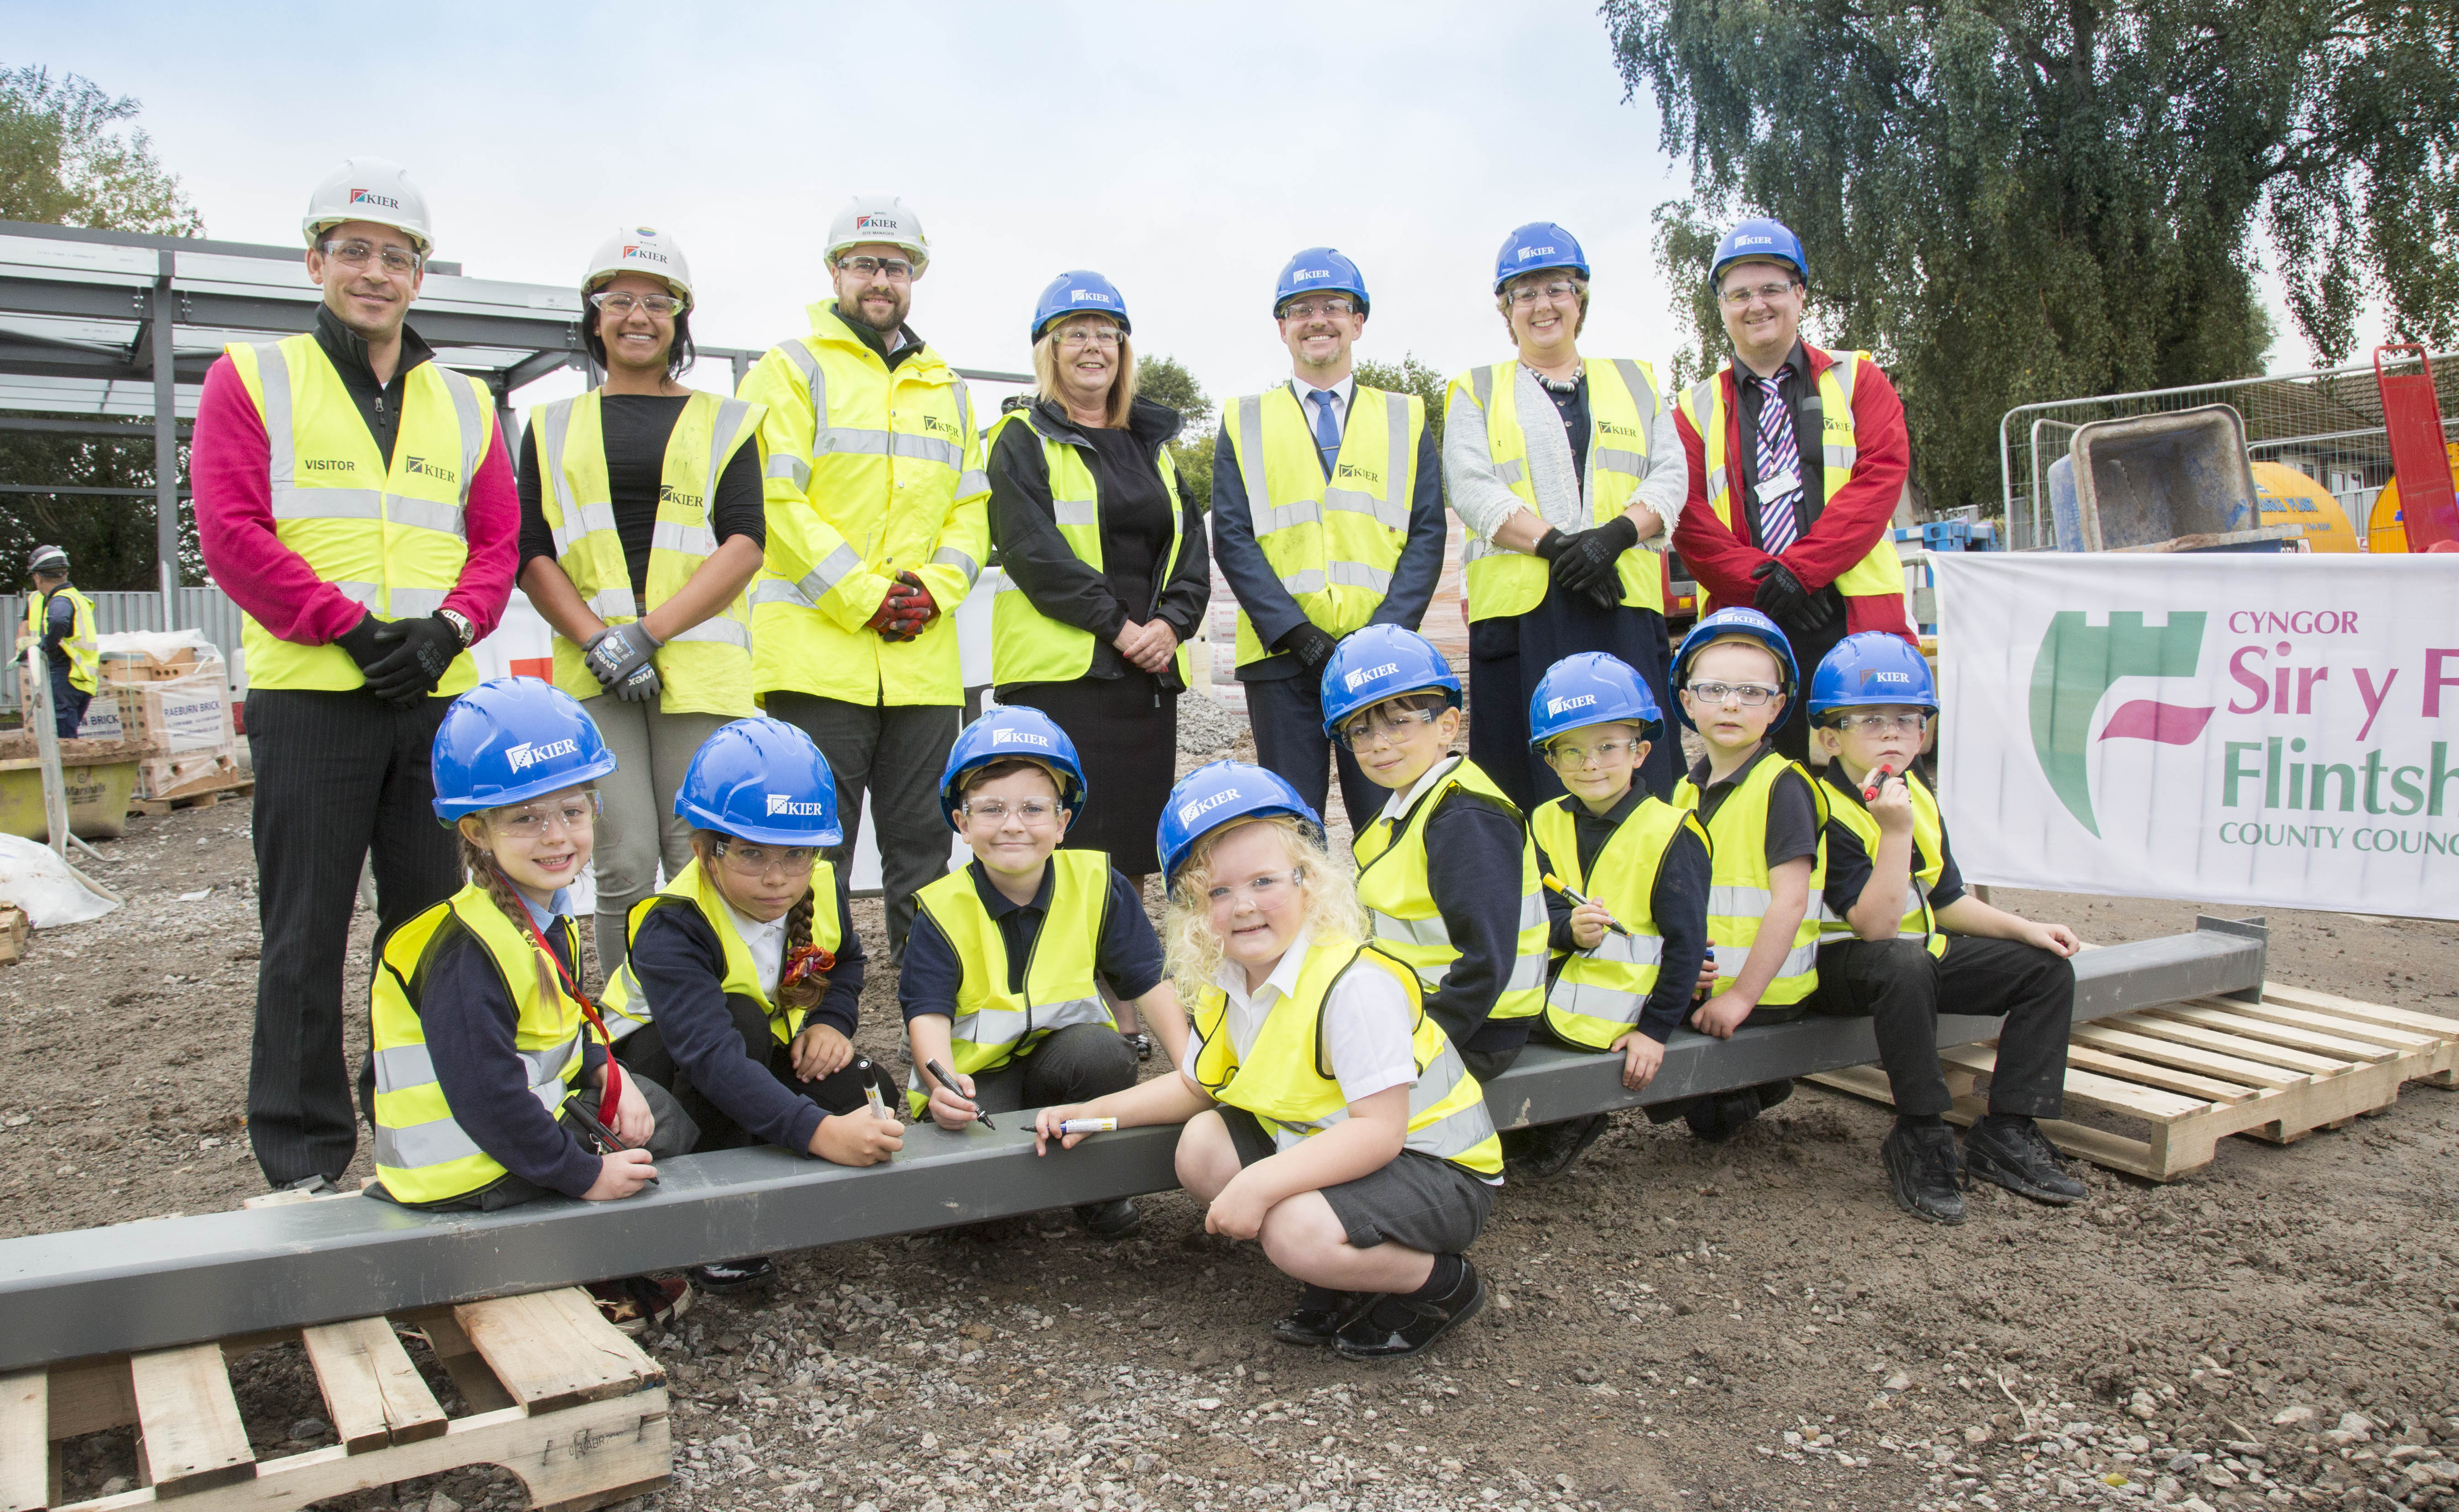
2077 663
529 754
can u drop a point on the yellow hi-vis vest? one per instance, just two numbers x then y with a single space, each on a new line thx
1622 406
705 670
390 538
1286 1080
993 1025
1026 644
1601 993
1930 862
870 474
626 1004
1331 542
1400 902
84 652
1881 571
422 1155
1739 884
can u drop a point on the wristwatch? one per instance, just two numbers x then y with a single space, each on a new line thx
461 626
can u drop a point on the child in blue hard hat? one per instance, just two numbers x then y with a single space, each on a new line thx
491 1064
1003 971
1903 936
1445 871
1627 959
742 977
1328 1116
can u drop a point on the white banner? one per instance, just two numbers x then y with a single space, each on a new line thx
2273 730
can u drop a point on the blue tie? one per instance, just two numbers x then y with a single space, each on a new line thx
1327 429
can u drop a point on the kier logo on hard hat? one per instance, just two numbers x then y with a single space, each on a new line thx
528 754
1011 737
644 254
368 197
875 222
1189 813
1525 253
1557 706
1078 296
1359 680
789 804
1752 240
1310 273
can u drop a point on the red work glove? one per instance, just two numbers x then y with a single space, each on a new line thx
909 608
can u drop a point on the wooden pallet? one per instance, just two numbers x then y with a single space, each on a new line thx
2197 1072
555 1393
206 799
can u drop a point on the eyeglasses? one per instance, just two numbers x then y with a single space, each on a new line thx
897 269
572 816
1308 309
1379 725
1736 298
1035 812
1263 890
1563 753
1559 290
1896 724
1749 695
746 860
621 306
359 254
1104 337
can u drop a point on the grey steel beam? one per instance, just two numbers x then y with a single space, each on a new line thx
46 231
166 439
530 369
102 429
183 1280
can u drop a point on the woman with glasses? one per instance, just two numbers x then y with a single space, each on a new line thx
641 523
1562 470
744 976
1107 564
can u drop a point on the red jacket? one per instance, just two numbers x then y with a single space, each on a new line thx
1856 519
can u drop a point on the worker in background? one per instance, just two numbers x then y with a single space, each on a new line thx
62 619
641 525
1569 481
1812 443
876 531
354 498
1327 517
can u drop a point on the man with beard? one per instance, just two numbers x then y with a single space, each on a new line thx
877 528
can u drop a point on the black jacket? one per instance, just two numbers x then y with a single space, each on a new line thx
1026 539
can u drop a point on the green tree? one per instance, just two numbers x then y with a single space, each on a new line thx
1165 380
69 156
2011 201
1409 376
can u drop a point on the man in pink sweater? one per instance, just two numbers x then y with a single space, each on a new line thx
355 500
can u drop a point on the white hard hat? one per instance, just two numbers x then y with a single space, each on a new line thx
369 189
641 249
880 218
47 559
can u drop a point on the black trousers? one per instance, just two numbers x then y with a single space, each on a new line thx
1287 714
895 752
644 1050
1510 656
1074 1064
337 776
1903 989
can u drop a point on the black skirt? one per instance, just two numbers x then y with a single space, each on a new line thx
1125 732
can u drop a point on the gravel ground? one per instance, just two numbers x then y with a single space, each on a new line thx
1676 1326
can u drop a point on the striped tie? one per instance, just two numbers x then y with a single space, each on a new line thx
1779 457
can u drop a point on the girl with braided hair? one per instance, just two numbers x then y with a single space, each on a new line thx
744 975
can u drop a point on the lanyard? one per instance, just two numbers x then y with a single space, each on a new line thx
608 1099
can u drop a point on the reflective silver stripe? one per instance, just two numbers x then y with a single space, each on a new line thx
865 441
473 429
927 448
717 629
964 402
1427 933
1076 512
1358 575
1527 974
1006 585
1458 1132
425 514
1629 950
1589 1000
833 569
1475 548
1616 459
431 1143
329 503
1269 518
616 603
1738 902
950 556
273 378
404 1066
1481 385
363 594
1717 484
1390 513
1643 394
1307 580
1915 898
691 540
1841 457
972 481
731 417
1847 368
777 590
793 468
806 361
1513 471
990 1026
1796 960
1251 464
1532 910
408 603
1074 1011
1398 476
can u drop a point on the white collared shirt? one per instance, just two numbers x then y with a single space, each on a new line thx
767 943
1365 1018
1343 392
1397 809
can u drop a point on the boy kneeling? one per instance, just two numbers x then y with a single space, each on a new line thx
1901 936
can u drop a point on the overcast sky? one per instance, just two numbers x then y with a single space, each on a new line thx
1184 150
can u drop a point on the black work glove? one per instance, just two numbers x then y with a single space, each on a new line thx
421 652
1310 643
1590 558
1550 544
359 642
1782 598
617 651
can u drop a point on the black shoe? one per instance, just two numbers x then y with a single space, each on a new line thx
1387 1327
1141 1044
1772 1093
728 1276
1720 1116
2015 1153
1310 1323
1924 1171
319 1186
1111 1220
1549 1149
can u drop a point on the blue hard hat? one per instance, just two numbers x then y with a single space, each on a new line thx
1320 270
1590 688
761 779
1078 292
1762 238
1724 622
1216 794
1012 732
1872 668
1538 244
512 740
1382 661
